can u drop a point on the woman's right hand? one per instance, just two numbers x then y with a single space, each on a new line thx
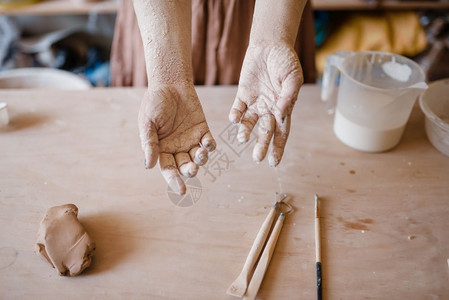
174 130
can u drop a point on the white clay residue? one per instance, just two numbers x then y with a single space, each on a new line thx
397 71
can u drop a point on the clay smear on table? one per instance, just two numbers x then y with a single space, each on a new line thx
63 242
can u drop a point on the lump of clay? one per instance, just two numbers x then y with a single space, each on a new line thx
63 242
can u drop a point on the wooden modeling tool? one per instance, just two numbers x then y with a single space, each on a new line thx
239 286
318 248
264 261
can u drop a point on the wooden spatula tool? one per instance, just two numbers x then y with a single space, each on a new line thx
264 260
240 284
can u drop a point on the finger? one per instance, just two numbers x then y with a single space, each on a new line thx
289 92
185 165
208 142
247 124
280 137
149 142
265 133
167 164
198 155
238 109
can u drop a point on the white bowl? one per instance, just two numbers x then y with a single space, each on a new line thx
434 103
42 78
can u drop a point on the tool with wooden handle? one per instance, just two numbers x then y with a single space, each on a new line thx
238 287
319 280
264 261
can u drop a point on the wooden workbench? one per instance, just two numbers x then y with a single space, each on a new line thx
384 216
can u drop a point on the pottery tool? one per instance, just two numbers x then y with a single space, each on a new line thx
318 248
240 284
264 261
268 251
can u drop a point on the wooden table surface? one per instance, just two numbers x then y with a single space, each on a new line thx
385 216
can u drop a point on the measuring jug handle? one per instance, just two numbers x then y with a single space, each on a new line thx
333 64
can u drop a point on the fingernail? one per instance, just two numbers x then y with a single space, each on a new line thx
176 184
241 138
191 172
234 118
184 170
213 146
201 156
189 169
257 153
181 187
272 161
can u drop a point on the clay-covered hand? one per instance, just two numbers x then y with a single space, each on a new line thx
173 128
270 80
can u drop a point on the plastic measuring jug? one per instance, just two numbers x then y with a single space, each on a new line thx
376 94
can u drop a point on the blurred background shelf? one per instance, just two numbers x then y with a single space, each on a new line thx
87 50
377 4
61 7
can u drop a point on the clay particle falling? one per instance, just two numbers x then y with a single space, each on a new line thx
352 172
411 237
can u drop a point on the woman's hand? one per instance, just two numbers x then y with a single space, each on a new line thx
171 120
269 84
173 128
